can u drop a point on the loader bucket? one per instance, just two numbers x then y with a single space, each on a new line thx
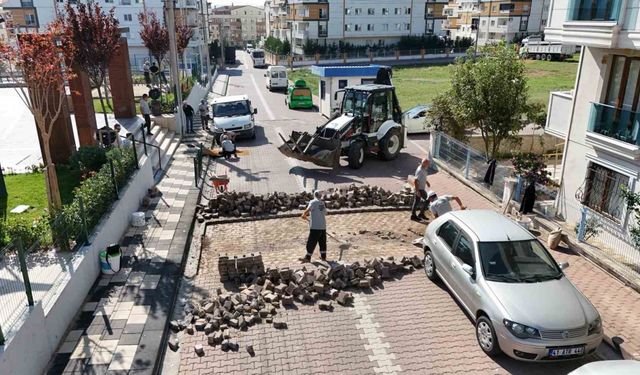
303 146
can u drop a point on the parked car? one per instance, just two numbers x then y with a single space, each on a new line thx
257 56
276 77
619 367
522 303
299 95
415 119
233 113
249 48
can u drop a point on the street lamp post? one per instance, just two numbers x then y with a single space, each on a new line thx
173 62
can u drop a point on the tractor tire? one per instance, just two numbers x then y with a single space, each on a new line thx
390 145
549 57
356 155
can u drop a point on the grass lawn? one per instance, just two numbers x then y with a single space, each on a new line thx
98 107
30 189
420 84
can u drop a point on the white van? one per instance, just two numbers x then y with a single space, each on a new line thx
276 77
234 114
257 55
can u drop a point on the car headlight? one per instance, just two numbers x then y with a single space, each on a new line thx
521 331
595 326
248 126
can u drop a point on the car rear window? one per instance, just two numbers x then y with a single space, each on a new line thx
301 92
258 54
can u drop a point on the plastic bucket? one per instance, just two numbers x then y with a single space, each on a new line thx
110 264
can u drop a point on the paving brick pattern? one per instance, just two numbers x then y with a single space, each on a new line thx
411 325
120 327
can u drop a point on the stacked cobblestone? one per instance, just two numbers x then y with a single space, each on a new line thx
259 300
235 204
243 268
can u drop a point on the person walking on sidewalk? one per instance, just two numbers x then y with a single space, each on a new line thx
147 73
315 213
188 113
440 206
420 185
146 113
203 108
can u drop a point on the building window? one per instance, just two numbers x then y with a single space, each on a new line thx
624 83
493 22
371 11
429 11
347 11
602 191
398 26
502 21
322 13
127 17
525 8
524 23
397 11
407 10
370 27
110 1
358 11
342 83
484 22
30 19
347 27
385 27
385 11
358 27
407 26
506 7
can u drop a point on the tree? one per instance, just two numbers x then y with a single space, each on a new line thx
96 36
154 35
633 206
490 94
183 36
286 47
440 116
40 59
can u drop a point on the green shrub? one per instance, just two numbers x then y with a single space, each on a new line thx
29 232
88 158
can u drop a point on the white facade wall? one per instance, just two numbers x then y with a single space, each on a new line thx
249 16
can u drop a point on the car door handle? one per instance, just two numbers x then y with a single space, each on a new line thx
453 265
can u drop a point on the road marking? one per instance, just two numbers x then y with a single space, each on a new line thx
262 99
374 337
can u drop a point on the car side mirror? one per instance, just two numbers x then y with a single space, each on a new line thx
563 265
265 74
469 270
255 111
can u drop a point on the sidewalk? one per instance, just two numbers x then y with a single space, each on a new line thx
121 325
619 305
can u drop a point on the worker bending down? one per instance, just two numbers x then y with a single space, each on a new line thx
228 148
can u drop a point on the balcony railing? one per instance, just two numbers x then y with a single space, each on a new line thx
616 123
594 10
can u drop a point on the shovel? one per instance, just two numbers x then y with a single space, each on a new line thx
343 245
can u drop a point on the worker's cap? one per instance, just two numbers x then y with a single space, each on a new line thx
430 194
317 194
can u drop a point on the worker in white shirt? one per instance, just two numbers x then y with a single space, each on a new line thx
228 148
440 205
146 113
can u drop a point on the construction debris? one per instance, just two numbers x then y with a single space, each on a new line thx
244 204
263 293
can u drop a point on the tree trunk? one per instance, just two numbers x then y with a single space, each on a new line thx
104 110
106 95
51 178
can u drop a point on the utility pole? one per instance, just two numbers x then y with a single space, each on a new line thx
205 27
173 62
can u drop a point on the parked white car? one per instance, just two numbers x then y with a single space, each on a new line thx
276 77
522 303
619 367
415 119
257 56
234 114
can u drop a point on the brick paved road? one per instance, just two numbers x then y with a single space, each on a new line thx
409 326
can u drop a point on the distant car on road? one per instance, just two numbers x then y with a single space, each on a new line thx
415 119
276 77
522 303
299 95
249 48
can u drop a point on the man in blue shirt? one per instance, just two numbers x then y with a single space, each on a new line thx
315 213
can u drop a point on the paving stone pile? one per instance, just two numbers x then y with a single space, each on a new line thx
261 296
244 204
234 267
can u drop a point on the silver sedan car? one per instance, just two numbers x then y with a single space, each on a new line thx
506 280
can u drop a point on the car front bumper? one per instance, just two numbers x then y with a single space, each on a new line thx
239 131
538 350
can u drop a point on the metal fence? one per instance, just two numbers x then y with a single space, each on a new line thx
16 294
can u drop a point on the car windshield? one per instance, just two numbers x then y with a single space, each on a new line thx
355 102
258 54
517 262
301 92
239 108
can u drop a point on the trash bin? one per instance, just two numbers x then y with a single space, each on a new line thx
138 219
110 259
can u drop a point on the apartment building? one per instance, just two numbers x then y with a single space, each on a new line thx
435 17
238 24
599 121
492 21
359 22
32 15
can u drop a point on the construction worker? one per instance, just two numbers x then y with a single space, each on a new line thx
440 206
420 185
315 213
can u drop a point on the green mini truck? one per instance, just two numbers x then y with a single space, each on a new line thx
299 95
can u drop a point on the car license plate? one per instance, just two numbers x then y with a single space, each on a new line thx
566 352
